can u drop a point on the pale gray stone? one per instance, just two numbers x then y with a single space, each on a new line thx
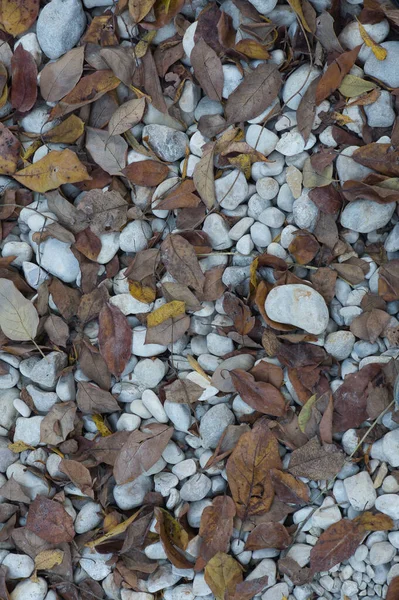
169 144
365 216
386 70
46 372
213 424
298 305
60 26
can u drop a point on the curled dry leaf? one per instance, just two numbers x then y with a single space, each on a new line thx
370 325
174 539
248 471
263 397
383 158
53 170
66 132
18 317
103 211
289 489
239 312
50 521
115 338
215 530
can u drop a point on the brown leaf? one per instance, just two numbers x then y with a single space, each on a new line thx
263 397
227 443
92 400
151 82
181 261
325 425
327 199
354 190
240 313
352 273
336 71
383 158
177 291
248 471
13 491
393 588
121 60
66 212
350 399
222 574
57 330
24 80
174 539
307 110
370 522
326 34
316 462
215 530
183 391
268 535
164 12
50 521
336 544
388 281
141 452
16 16
93 365
114 338
289 489
258 90
58 423
268 373
58 78
91 304
4 595
126 116
370 325
146 172
303 247
78 474
106 449
207 69
180 197
169 331
9 156
323 281
88 244
213 285
104 211
109 152
246 590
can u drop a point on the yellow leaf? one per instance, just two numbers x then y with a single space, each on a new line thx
66 132
195 365
297 8
16 16
379 52
4 96
306 412
141 292
253 281
138 9
19 446
370 522
117 530
222 574
166 311
243 162
252 49
31 149
55 169
110 521
353 86
341 119
101 426
48 559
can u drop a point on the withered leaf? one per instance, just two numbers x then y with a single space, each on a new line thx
122 62
50 521
263 397
213 285
174 539
215 530
354 190
307 110
303 247
222 574
93 365
388 281
327 199
16 16
141 451
126 116
24 80
114 338
58 78
336 71
383 158
104 211
208 69
239 312
58 423
180 260
370 325
268 535
109 152
152 85
289 489
315 461
183 391
146 172
336 544
246 590
169 331
323 281
248 471
93 400
13 491
57 330
9 155
393 589
258 90
180 197
78 474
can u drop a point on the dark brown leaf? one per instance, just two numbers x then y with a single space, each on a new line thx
268 535
246 590
213 284
307 110
215 530
355 190
327 199
240 313
304 247
393 588
93 365
370 325
24 80
50 521
380 157
92 400
315 461
146 172
65 298
9 156
181 261
79 475
336 71
58 423
388 281
208 69
114 338
336 544
174 539
323 281
13 491
263 397
289 489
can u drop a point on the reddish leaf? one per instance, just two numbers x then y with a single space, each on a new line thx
92 400
215 529
50 521
263 397
336 544
208 69
316 462
268 535
146 172
393 589
388 281
370 325
240 313
303 247
115 338
181 261
78 474
24 80
335 73
383 158
289 489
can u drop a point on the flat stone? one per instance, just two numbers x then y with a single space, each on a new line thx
169 144
195 488
300 553
218 231
327 514
390 447
298 305
179 414
380 113
28 430
94 564
381 553
162 578
9 379
340 344
42 400
213 424
360 491
231 189
129 495
365 216
60 26
386 70
149 372
19 566
261 138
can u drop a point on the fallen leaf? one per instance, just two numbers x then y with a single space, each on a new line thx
222 574
126 116
203 176
239 312
215 530
141 451
183 391
370 325
58 78
58 423
323 281
114 338
289 489
355 190
336 544
18 316
379 52
169 331
252 49
393 589
93 400
57 330
121 60
180 260
370 522
24 80
139 9
316 462
79 475
174 539
51 171
246 590
306 111
207 69
336 71
48 559
388 281
104 211
353 86
101 426
17 16
166 311
13 491
117 530
303 247
268 535
50 521
66 132
9 152
89 89
305 413
164 12
142 292
109 152
146 173
254 94
297 8
181 196
248 471
380 157
263 397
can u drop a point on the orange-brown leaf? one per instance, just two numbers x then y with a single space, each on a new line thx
332 78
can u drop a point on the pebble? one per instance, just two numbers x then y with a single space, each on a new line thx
386 70
381 553
389 505
297 84
300 553
60 26
219 345
28 430
195 488
261 138
134 237
179 414
298 305
365 216
10 379
94 564
231 189
162 578
261 235
140 348
149 372
390 447
19 566
42 400
46 372
88 518
129 495
340 344
218 231
57 258
30 590
169 144
305 212
360 491
380 113
154 406
213 423
232 77
326 515
272 217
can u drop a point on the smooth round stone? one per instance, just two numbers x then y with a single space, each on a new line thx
28 430
262 139
350 36
169 144
20 566
195 488
140 348
89 517
60 26
129 495
154 406
188 39
232 79
267 188
264 6
213 424
386 70
305 212
57 258
30 590
10 379
46 372
231 190
340 344
298 305
129 305
206 106
381 553
245 245
380 113
390 447
135 236
392 242
261 235
270 169
149 372
219 345
218 231
164 482
389 505
179 414
94 564
33 274
127 422
285 198
21 250
365 216
240 229
291 143
297 84
347 168
272 217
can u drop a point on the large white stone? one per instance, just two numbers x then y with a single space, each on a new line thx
298 305
297 84
58 259
365 216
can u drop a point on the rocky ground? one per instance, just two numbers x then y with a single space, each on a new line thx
199 300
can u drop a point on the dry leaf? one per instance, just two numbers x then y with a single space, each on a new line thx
183 391
55 169
268 535
180 260
126 116
58 423
174 539
48 559
248 471
79 475
57 330
207 69
18 317
141 452
222 574
115 338
289 489
50 521
388 281
306 111
263 397
252 49
370 325
93 400
215 530
146 173
16 16
24 80
336 71
109 152
66 132
353 86
297 8
203 176
240 313
169 331
393 589
138 9
379 52
316 462
9 153
164 11
104 211
380 157
336 544
58 78
166 311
